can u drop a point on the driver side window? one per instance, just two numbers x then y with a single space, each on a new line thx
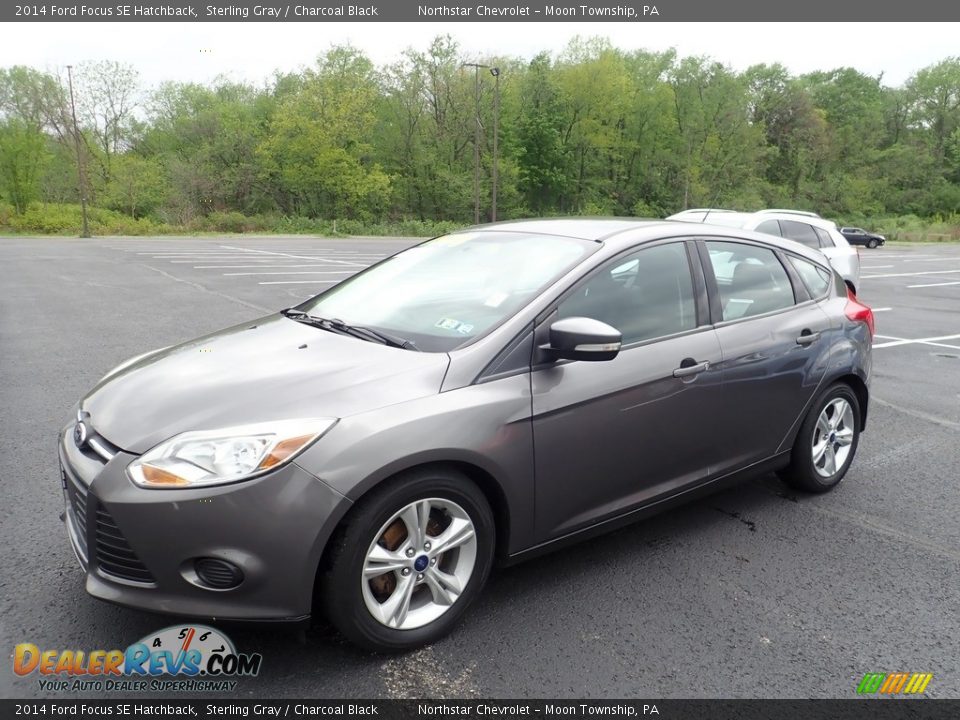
645 295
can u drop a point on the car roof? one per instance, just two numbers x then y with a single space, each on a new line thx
804 213
740 219
583 228
621 233
725 218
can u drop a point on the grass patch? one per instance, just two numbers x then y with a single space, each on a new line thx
67 220
910 228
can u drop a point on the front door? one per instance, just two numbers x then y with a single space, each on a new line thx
611 436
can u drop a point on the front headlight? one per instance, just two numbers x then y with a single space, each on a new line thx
215 457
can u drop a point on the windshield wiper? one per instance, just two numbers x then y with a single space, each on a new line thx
357 331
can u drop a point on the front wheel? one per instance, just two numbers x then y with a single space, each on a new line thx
826 443
410 559
872 244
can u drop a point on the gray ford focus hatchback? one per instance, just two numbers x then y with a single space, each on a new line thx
482 396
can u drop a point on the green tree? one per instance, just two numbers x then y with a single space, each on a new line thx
720 149
137 186
318 151
542 159
22 151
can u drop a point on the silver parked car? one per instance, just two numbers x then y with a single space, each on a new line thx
486 395
803 226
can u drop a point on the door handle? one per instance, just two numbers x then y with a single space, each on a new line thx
808 338
688 370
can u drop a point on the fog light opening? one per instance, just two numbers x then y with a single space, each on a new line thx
217 574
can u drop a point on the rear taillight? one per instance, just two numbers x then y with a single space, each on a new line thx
858 312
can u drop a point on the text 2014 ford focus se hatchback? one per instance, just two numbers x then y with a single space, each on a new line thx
484 395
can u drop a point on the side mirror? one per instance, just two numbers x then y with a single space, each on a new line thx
582 338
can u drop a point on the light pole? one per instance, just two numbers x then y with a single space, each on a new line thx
76 139
495 71
476 140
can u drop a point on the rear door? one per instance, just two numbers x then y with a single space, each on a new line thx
773 337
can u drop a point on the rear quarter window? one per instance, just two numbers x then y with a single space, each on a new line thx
770 227
825 239
816 279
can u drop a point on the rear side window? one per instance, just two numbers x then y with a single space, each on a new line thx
801 232
815 278
770 227
750 279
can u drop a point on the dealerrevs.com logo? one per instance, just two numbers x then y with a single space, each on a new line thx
180 657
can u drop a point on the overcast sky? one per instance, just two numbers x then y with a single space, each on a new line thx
252 51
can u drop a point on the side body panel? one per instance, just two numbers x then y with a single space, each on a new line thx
768 379
611 436
484 426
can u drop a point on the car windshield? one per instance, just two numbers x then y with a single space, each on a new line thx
443 293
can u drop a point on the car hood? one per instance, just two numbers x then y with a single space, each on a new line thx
269 369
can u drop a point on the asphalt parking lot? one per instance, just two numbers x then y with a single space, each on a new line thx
753 592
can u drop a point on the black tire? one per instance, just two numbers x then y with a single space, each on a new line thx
872 244
341 594
801 472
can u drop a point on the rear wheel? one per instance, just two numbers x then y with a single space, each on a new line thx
827 441
409 561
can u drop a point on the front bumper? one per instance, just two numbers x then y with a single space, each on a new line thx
138 546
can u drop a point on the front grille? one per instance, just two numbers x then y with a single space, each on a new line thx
77 496
103 448
115 557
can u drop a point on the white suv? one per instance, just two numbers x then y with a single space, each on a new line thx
804 227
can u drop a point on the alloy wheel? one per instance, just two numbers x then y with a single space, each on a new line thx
419 563
832 437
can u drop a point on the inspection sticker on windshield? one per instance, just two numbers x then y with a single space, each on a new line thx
456 325
496 299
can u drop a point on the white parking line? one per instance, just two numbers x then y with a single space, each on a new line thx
220 250
295 257
293 265
876 267
188 259
886 256
298 282
912 274
876 310
918 341
955 282
243 259
307 272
